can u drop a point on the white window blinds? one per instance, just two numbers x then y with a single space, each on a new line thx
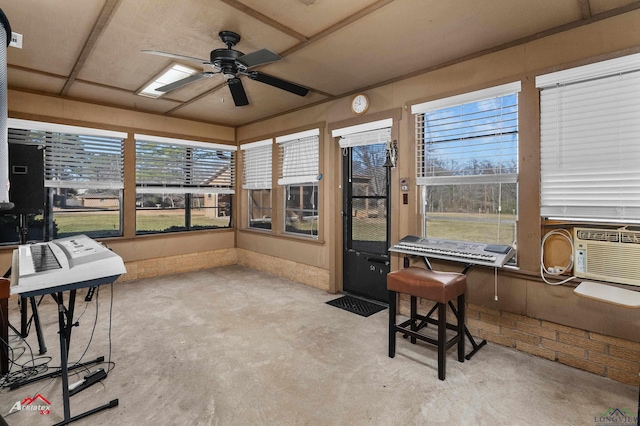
74 157
364 134
182 166
589 142
299 157
469 138
257 164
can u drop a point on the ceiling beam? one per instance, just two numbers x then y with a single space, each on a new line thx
265 19
304 42
106 13
338 25
62 77
585 8
39 72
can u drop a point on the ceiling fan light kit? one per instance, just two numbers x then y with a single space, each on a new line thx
233 65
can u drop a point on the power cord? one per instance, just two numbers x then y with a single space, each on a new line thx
556 271
110 364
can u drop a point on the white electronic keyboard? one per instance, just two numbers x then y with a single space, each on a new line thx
495 255
64 264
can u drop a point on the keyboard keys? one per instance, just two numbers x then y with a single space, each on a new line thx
43 258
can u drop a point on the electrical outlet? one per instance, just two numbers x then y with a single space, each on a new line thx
16 40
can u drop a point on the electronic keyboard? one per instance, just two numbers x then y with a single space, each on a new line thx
76 261
495 255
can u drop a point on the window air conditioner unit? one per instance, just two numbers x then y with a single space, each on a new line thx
607 254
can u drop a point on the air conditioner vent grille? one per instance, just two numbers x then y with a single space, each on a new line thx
607 255
598 235
630 237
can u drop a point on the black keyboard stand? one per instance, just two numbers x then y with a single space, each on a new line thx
35 317
65 325
24 321
424 323
23 231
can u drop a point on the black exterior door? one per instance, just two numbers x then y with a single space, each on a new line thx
366 221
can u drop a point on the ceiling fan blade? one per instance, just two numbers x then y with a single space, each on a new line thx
259 57
176 56
237 91
178 84
279 83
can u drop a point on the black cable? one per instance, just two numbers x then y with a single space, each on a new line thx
110 321
95 323
33 367
25 371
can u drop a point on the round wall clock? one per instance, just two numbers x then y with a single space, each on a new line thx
360 104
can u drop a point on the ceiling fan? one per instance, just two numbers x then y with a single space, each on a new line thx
233 64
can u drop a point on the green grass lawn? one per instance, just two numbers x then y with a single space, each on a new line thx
481 228
467 227
108 222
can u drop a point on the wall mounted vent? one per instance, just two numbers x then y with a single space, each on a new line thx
607 255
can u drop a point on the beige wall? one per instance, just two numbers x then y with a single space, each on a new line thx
521 292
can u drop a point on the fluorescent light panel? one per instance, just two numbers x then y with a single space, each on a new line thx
175 73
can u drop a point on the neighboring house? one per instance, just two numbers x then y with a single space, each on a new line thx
97 201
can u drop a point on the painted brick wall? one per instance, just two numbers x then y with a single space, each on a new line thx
617 359
299 272
182 263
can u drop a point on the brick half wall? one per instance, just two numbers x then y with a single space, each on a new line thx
299 272
170 265
612 357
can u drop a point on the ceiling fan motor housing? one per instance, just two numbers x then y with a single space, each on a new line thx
225 60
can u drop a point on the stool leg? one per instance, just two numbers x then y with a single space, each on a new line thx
442 339
392 324
461 323
414 319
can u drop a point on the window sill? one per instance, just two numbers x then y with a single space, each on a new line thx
289 237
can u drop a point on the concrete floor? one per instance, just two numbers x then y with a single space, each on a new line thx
235 346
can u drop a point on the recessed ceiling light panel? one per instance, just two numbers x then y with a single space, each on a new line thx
174 73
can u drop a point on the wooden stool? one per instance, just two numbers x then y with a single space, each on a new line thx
441 287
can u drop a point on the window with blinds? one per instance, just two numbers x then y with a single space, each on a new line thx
256 173
182 185
467 165
184 166
256 179
299 155
76 160
589 150
84 174
299 173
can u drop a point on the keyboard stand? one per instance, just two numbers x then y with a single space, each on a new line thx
65 337
4 365
424 323
65 325
36 321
